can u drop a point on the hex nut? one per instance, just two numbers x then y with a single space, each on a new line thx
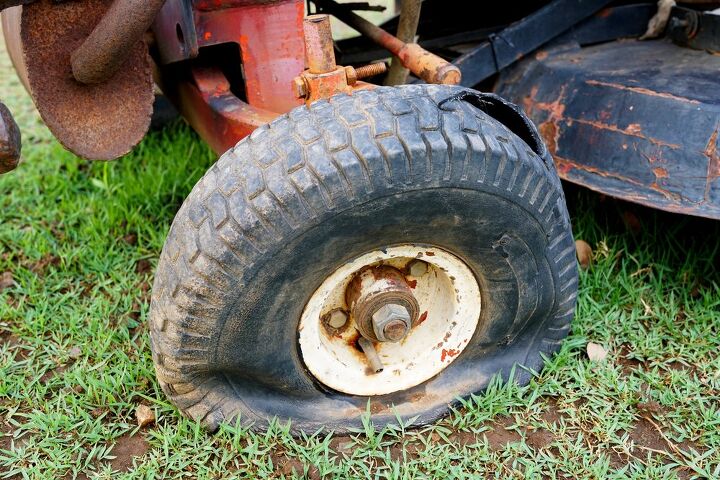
418 268
299 87
351 75
391 322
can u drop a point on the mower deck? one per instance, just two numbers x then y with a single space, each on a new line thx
635 120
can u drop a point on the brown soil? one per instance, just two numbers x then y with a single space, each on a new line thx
286 465
142 266
499 437
125 450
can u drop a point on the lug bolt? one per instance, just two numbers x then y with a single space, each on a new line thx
337 319
418 268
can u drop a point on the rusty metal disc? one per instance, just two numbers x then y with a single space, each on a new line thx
98 122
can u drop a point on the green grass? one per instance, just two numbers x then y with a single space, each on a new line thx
81 241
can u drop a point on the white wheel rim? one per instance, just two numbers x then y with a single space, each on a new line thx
449 299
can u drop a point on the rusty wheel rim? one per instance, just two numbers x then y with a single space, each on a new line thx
448 297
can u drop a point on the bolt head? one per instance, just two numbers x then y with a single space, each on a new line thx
418 268
337 319
395 330
391 322
351 75
299 87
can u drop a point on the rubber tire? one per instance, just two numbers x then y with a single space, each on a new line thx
318 186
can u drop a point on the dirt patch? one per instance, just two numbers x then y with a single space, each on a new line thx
539 438
13 343
644 434
6 280
464 438
38 268
552 414
52 373
651 408
142 266
126 448
678 367
6 432
500 436
342 444
628 365
130 239
287 465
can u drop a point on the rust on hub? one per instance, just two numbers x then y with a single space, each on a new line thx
375 288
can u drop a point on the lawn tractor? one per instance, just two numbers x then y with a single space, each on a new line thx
386 229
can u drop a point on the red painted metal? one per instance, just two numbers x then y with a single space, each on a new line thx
272 52
271 45
215 112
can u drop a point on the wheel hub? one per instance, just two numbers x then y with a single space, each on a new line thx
389 320
382 303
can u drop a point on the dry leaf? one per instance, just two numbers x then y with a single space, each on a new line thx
74 353
144 415
584 253
6 281
595 352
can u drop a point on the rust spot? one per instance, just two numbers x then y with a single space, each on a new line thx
352 340
634 130
412 283
711 151
448 352
604 13
555 110
549 131
660 172
422 318
529 100
565 166
712 154
541 55
641 90
430 254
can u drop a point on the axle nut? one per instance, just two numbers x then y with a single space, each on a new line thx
391 322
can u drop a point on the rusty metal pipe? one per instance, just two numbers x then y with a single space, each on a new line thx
107 48
319 49
407 28
371 354
419 61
